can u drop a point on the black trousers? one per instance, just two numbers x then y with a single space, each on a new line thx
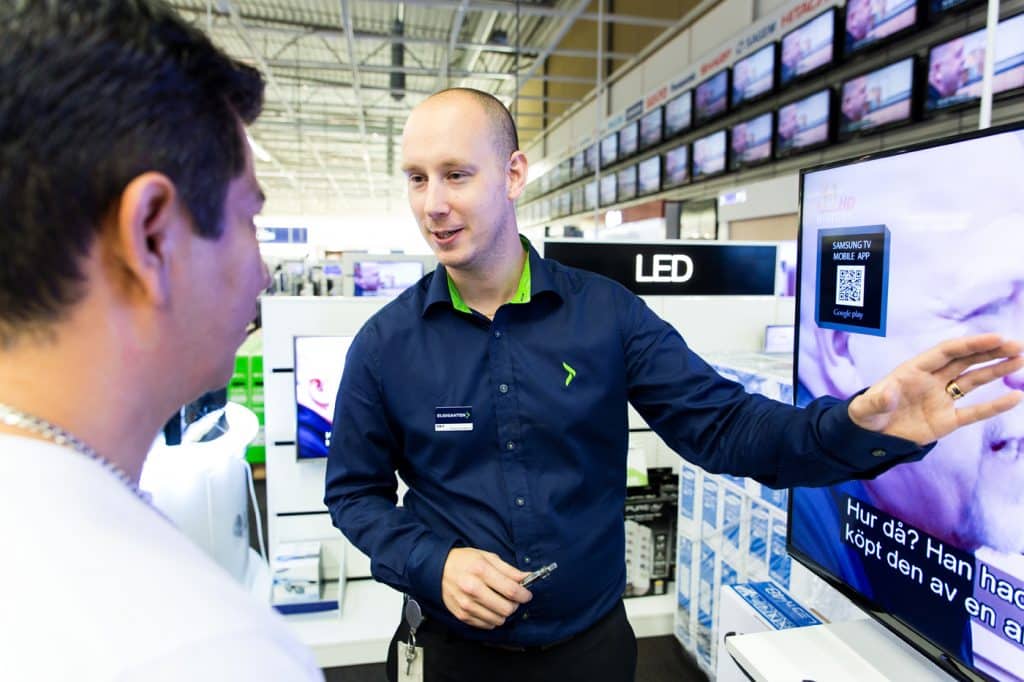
606 652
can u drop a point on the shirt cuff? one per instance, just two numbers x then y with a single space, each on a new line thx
425 567
868 452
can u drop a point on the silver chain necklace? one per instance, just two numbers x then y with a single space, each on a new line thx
53 433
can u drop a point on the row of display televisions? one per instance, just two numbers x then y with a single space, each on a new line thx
887 96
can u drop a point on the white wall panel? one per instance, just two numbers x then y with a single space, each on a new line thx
720 24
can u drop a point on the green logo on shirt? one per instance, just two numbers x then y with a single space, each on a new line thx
570 373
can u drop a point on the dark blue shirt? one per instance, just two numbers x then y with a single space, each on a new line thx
541 477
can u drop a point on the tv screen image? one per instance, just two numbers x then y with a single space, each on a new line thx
712 96
955 68
609 149
649 175
590 158
751 141
626 185
753 75
804 123
709 155
946 557
878 98
628 140
385 278
869 21
650 128
678 114
590 195
808 47
578 167
606 191
677 166
319 361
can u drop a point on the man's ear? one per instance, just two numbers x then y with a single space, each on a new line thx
150 224
515 174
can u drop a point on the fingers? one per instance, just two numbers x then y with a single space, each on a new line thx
944 354
976 413
954 369
481 590
507 580
968 381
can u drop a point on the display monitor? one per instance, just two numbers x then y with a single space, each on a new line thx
937 7
606 190
933 548
384 278
590 196
677 166
751 142
712 97
649 175
651 128
629 141
609 150
877 99
678 114
626 183
709 155
955 68
564 204
590 158
804 124
754 75
578 165
319 361
809 47
871 21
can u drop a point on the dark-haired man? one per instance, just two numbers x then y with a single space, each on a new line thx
497 388
129 273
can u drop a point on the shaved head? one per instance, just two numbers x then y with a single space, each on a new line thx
503 128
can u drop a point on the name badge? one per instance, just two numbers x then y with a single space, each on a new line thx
453 418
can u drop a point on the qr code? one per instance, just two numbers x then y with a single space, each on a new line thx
850 285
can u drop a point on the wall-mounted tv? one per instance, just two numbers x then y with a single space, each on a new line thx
751 141
678 114
590 158
649 175
808 47
590 196
578 165
629 141
319 361
871 21
626 183
651 128
384 278
804 124
609 150
955 68
875 234
712 97
709 155
677 166
564 204
754 75
606 191
880 98
937 7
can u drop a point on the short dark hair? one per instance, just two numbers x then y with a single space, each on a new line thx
95 93
507 137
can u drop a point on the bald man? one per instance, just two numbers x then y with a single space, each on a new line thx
497 388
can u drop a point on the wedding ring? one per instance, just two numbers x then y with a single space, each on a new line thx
954 391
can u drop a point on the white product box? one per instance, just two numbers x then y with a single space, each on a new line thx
296 569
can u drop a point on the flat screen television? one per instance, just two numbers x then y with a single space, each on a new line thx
709 155
564 204
651 128
384 278
871 21
609 150
319 361
629 141
606 191
937 7
577 199
804 124
712 97
626 183
590 196
590 158
677 166
578 165
808 47
934 549
649 175
563 172
678 114
751 141
754 75
955 68
877 99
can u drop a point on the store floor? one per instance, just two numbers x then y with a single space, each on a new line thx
659 659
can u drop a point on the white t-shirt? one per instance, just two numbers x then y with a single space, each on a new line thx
96 585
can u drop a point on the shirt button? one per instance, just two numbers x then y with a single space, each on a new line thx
878 452
511 445
526 615
503 388
497 334
520 502
526 559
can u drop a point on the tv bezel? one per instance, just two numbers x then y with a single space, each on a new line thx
665 184
919 15
695 117
935 653
732 164
666 134
577 173
614 135
618 187
615 184
838 28
694 177
776 65
659 112
833 105
661 173
635 125
915 99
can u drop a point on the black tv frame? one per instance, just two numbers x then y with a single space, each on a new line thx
694 177
733 164
915 101
696 118
830 138
776 67
838 29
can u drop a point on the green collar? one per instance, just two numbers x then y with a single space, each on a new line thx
522 294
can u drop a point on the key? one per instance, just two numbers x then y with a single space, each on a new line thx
414 617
